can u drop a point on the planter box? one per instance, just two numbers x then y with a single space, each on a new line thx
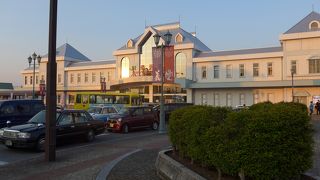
168 168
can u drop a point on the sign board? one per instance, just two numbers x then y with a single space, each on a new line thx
315 99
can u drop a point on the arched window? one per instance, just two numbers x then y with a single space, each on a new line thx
181 65
125 67
314 25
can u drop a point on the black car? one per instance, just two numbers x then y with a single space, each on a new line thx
169 107
15 112
70 124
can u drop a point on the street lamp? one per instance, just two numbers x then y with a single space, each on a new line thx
34 58
167 39
292 72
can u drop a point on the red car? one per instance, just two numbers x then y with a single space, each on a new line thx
130 118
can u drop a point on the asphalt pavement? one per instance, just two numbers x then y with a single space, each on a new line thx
80 160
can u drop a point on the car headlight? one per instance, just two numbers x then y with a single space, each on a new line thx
23 135
1 132
119 119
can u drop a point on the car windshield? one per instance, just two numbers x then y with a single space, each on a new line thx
40 118
124 111
108 110
95 110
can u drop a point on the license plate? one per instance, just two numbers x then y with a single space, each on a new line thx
111 125
8 143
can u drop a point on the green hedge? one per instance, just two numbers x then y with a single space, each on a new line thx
268 141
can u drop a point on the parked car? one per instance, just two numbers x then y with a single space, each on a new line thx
15 112
169 107
70 124
105 113
130 118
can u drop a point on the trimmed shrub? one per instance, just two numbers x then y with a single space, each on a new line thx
268 141
199 121
178 128
275 143
296 105
261 106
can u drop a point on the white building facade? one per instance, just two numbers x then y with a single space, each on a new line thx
202 76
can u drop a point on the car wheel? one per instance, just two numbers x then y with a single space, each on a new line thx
40 144
10 147
155 125
90 136
125 128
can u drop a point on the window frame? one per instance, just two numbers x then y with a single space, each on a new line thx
241 68
216 69
203 72
229 71
270 69
255 70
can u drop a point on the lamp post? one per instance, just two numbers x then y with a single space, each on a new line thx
34 58
167 38
292 72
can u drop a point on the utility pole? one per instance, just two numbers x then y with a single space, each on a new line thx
51 95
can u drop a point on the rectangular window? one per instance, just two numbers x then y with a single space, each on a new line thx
314 66
241 70
59 78
101 75
204 99
228 71
42 77
37 80
269 69
255 69
108 76
31 78
294 67
216 99
86 77
93 77
71 78
71 99
255 98
204 72
79 78
59 99
25 80
216 72
229 100
242 99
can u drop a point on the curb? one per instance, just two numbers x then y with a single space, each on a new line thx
168 168
105 171
311 175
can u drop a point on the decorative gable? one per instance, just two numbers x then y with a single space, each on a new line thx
179 38
129 43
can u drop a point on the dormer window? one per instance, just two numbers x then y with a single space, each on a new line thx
129 43
314 25
179 38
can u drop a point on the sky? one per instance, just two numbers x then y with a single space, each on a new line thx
98 27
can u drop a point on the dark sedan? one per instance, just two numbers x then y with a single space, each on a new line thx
70 124
130 118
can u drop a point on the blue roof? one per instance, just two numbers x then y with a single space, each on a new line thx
92 63
188 37
66 50
6 86
240 52
303 25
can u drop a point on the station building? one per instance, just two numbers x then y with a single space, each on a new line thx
290 71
